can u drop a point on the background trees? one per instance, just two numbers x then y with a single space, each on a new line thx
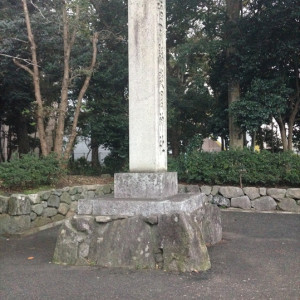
216 50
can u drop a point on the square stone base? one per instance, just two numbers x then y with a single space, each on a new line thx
145 185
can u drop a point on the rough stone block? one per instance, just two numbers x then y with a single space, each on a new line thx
63 208
38 209
265 203
263 191
66 198
251 192
57 218
53 201
45 195
241 202
18 205
33 216
49 212
276 193
3 204
215 190
34 198
293 193
206 189
231 191
220 201
40 221
13 224
288 204
145 185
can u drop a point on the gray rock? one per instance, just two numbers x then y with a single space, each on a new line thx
40 221
90 195
53 201
73 206
211 224
288 204
263 191
220 201
99 192
206 189
231 191
66 198
215 190
13 224
33 216
49 212
73 191
276 193
265 203
45 204
38 209
181 242
241 202
103 219
57 218
63 208
106 189
57 193
298 202
83 223
45 195
182 188
3 204
34 198
293 193
251 192
18 205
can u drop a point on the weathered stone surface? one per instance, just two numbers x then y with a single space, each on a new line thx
215 190
251 192
288 204
220 201
241 202
73 206
231 191
45 195
3 204
33 216
18 205
206 189
276 193
182 244
45 204
40 221
57 218
53 201
265 203
57 193
103 219
13 224
90 195
106 189
145 185
63 208
293 193
66 198
210 223
49 212
34 198
130 207
99 191
73 191
263 191
83 223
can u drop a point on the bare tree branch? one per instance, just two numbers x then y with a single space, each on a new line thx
16 62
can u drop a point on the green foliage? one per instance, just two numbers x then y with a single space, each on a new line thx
82 166
30 171
255 168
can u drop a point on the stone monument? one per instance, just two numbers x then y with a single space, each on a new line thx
147 224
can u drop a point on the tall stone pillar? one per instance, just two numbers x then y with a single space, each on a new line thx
147 86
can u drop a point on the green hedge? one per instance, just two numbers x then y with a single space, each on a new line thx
255 168
30 171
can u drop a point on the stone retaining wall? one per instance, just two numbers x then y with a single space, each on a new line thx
20 212
253 198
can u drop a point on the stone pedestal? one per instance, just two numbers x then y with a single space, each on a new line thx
145 185
169 234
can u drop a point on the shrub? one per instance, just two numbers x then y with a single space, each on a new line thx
30 171
229 167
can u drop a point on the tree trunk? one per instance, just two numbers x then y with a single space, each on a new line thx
233 8
282 133
36 82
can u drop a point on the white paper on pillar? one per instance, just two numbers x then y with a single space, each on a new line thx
147 86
